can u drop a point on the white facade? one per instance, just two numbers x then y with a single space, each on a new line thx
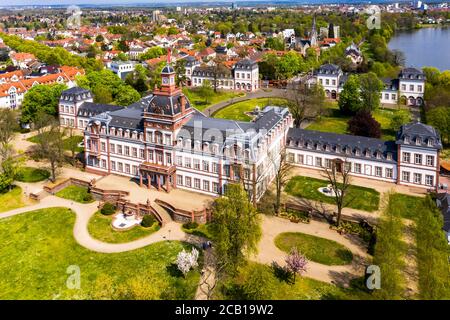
411 160
408 89
244 76
121 68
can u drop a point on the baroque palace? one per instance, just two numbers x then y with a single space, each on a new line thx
162 141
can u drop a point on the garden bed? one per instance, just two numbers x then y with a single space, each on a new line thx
30 174
316 249
361 198
76 193
100 228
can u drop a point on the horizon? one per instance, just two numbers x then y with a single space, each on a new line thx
62 3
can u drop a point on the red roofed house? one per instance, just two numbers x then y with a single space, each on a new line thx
13 89
20 59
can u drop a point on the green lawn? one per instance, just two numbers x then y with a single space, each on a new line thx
315 248
74 139
199 102
334 122
361 198
237 111
38 247
303 288
100 228
30 174
405 204
11 199
75 193
203 230
66 141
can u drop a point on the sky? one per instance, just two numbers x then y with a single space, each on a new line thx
69 2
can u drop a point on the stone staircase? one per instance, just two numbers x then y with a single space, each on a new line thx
165 216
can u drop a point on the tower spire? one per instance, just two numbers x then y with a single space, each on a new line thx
169 55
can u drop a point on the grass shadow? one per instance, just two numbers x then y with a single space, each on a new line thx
281 273
173 271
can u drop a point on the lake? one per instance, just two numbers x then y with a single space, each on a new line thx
424 47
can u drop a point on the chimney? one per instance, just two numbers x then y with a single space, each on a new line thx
183 103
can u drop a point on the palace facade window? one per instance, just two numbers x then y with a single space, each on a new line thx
389 173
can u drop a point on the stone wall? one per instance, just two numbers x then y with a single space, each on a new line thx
183 216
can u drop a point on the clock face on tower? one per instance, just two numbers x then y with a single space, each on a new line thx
165 80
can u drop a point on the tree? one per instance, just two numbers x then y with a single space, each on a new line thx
296 262
187 260
275 43
281 167
288 65
102 94
399 118
305 103
8 123
338 176
363 124
218 69
259 284
99 38
370 88
440 119
50 145
236 227
180 69
123 46
398 57
127 95
71 143
205 91
350 99
43 98
138 79
432 252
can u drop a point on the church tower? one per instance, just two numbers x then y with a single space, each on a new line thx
313 37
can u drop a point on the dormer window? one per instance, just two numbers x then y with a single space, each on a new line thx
406 139
430 142
357 152
378 155
389 156
418 141
347 150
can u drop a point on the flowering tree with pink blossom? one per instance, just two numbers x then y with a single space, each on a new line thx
296 262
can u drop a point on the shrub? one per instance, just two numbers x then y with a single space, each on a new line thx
390 252
88 197
190 225
108 208
432 252
148 220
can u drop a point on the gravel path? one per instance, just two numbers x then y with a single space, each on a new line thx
268 251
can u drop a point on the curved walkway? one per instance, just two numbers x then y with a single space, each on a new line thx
171 231
268 251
